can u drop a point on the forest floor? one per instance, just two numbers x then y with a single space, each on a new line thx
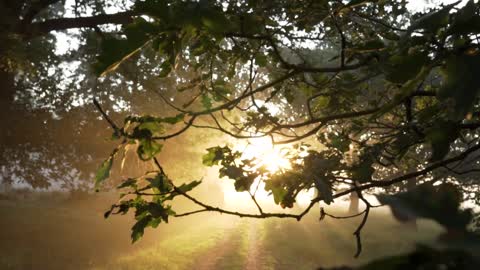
56 234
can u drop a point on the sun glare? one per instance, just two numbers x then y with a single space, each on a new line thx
274 159
267 155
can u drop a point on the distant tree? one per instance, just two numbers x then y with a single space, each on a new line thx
370 99
43 93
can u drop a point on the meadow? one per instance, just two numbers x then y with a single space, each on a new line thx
52 232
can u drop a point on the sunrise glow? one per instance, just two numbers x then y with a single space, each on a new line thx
274 159
266 154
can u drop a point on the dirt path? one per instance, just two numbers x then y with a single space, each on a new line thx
210 258
254 246
241 242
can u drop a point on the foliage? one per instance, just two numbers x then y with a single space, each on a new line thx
386 96
388 105
440 203
152 212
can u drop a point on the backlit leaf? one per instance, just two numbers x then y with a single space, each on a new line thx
139 228
104 171
189 186
148 148
324 190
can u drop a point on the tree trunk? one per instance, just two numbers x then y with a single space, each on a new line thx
411 184
354 203
7 114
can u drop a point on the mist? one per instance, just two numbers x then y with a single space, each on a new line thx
67 230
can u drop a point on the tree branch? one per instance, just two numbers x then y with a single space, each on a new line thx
35 8
41 28
362 223
117 130
404 177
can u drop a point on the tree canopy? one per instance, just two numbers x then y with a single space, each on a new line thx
364 96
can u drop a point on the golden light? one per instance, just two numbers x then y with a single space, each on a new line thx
304 198
271 157
266 154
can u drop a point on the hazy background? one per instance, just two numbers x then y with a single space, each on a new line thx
66 230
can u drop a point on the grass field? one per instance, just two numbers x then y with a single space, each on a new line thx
61 234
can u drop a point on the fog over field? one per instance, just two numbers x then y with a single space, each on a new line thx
59 233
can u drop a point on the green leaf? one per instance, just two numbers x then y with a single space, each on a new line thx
402 143
139 228
231 171
153 126
157 210
289 96
148 148
161 183
189 186
244 183
433 20
390 35
277 190
324 189
261 60
440 136
154 222
340 143
165 69
213 157
363 171
206 101
155 8
462 83
130 182
109 212
465 20
173 120
115 51
252 23
104 171
369 46
221 90
320 103
215 21
152 123
121 209
401 68
405 91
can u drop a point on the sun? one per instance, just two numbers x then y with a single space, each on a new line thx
264 154
267 155
274 159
